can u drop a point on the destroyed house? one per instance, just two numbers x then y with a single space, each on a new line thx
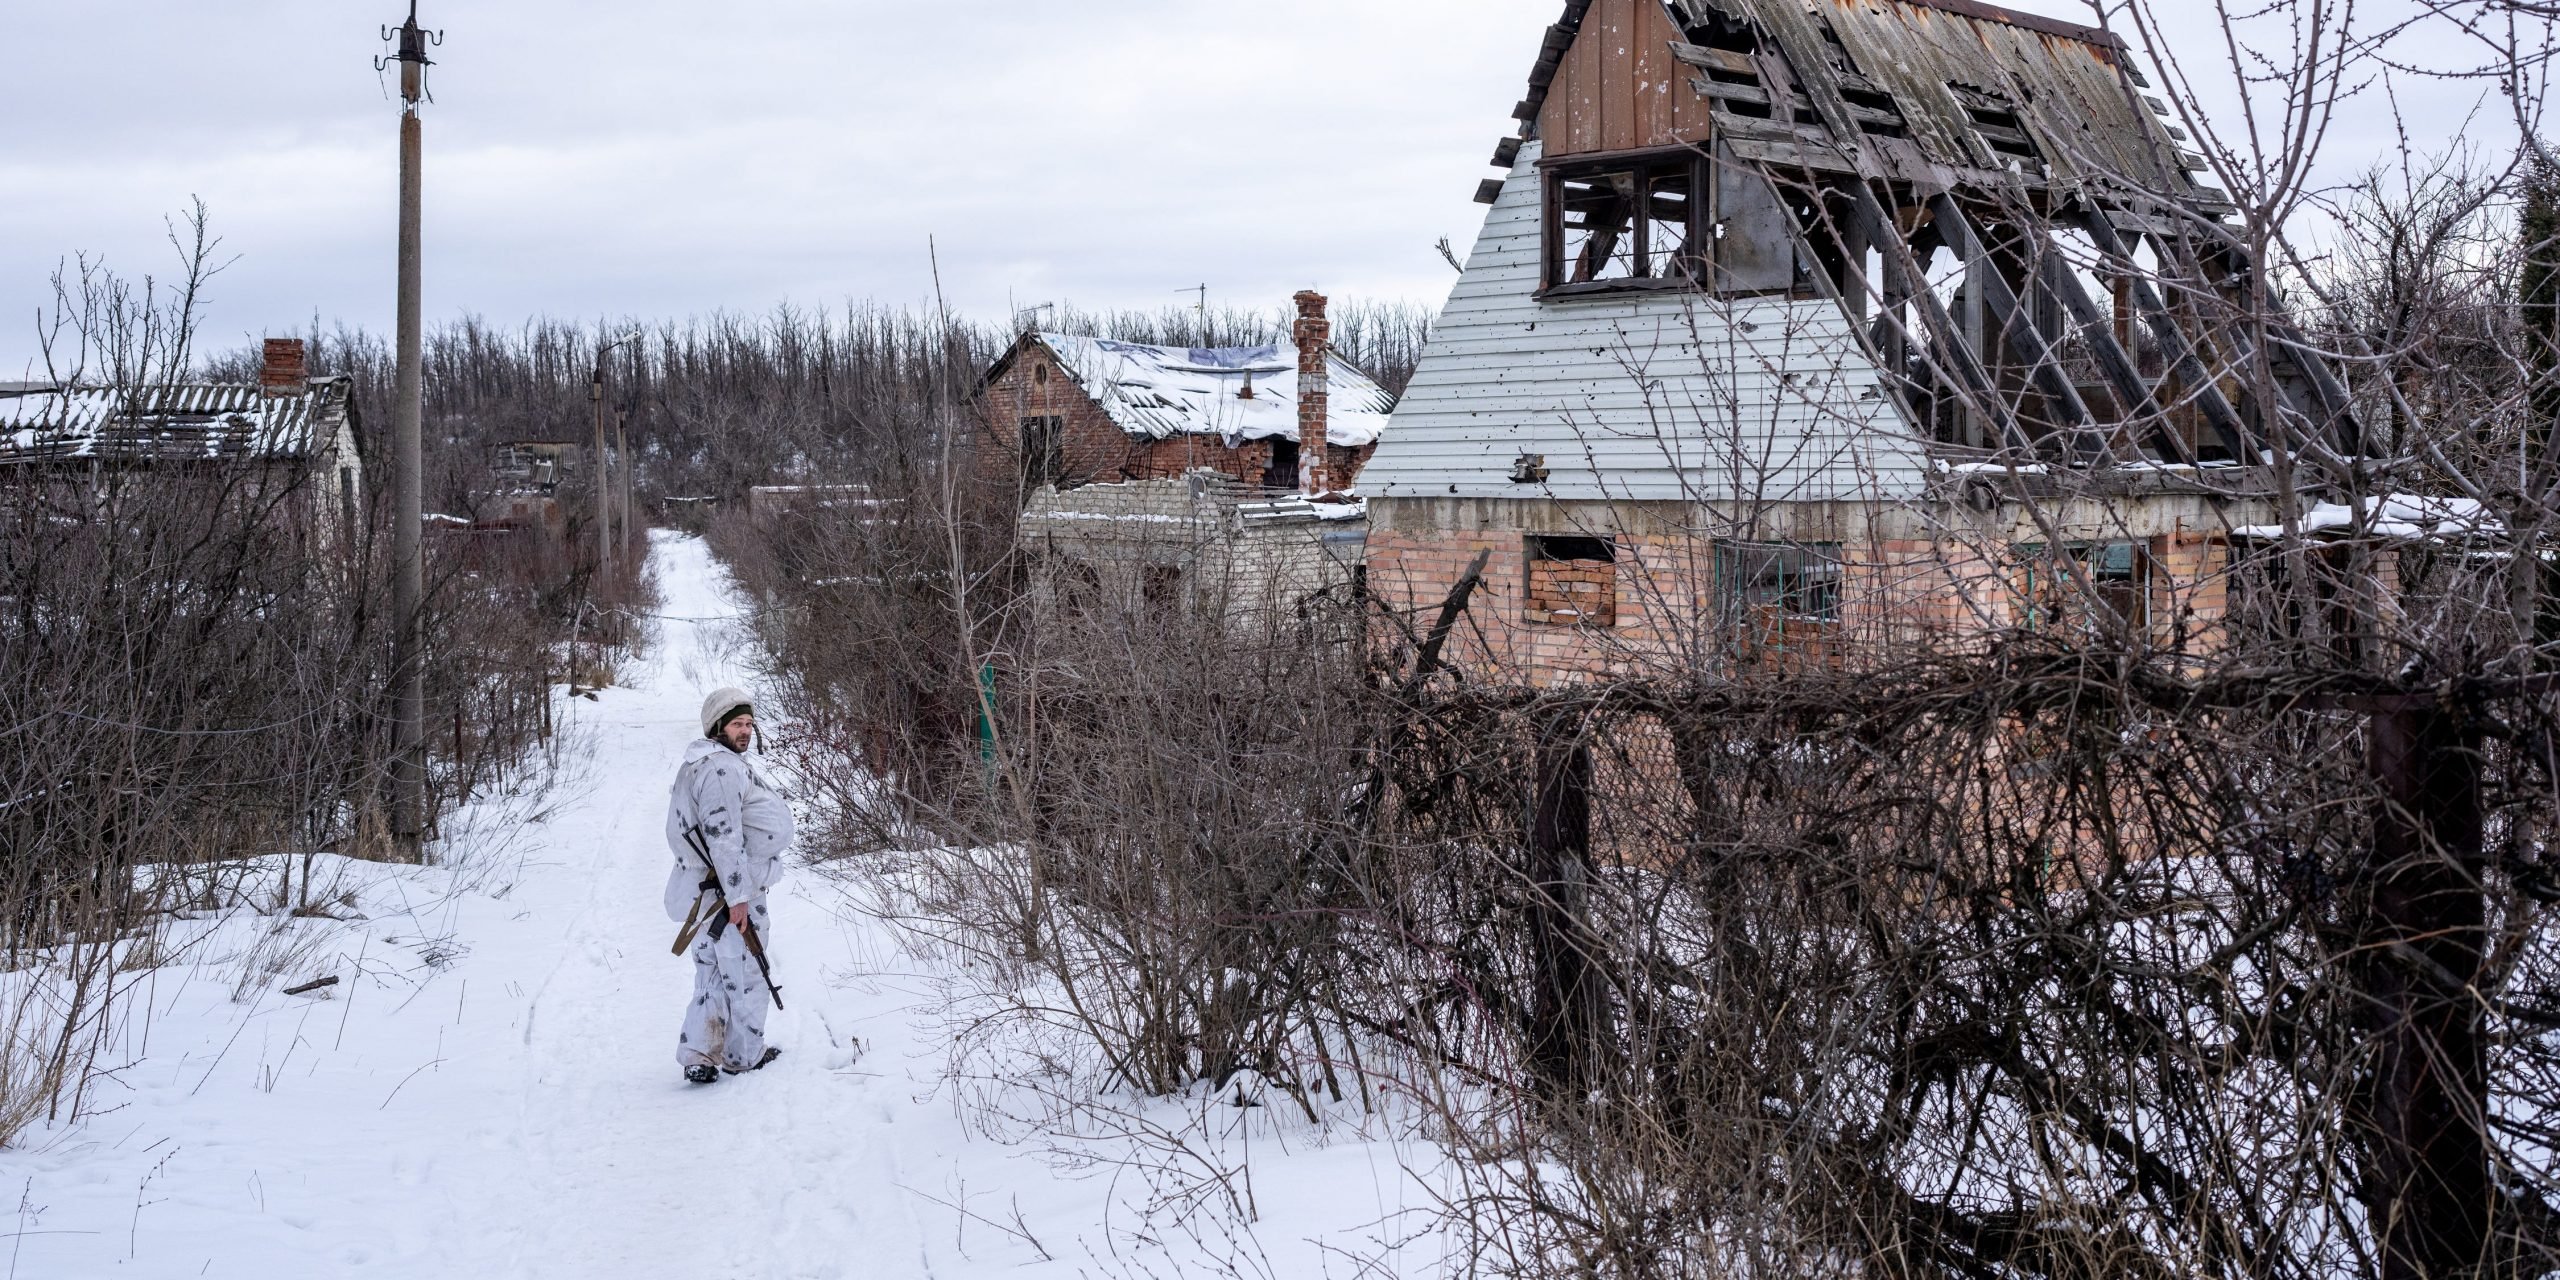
1064 411
288 436
1796 324
1167 475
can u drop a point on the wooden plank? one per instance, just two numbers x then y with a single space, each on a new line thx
1794 153
1622 121
1720 91
1587 132
2173 340
1659 87
2097 329
1725 60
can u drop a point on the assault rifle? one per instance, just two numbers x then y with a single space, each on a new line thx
720 917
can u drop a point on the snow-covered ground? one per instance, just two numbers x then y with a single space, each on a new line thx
491 1090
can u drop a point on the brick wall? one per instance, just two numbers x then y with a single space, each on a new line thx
1896 595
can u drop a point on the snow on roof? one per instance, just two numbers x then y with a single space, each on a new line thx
189 422
1172 391
2397 515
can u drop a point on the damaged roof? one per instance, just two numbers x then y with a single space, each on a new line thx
1941 92
188 422
1235 393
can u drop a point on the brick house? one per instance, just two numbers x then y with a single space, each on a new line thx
1794 330
1063 411
1164 474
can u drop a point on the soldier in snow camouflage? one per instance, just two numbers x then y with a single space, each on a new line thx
746 826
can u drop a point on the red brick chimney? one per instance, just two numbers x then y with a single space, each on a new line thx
284 371
1315 380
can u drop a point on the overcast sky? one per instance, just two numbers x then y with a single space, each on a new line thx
644 157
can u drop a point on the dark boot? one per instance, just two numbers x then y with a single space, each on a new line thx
699 1073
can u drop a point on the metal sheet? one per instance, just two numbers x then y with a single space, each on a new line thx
1755 251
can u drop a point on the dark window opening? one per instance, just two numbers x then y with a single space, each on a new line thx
1283 471
1719 31
2296 596
1573 581
1044 452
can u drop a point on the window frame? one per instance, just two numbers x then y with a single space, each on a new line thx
1540 548
1648 167
2047 603
1794 565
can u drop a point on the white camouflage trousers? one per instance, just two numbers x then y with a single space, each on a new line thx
724 1026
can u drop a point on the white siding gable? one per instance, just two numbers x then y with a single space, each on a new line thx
1639 396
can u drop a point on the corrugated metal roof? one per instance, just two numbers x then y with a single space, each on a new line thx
188 422
1163 392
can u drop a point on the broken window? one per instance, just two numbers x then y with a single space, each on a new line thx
1780 601
1630 221
1044 451
1283 471
1573 581
1771 585
2118 586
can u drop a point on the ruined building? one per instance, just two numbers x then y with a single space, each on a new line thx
1799 327
285 446
1222 477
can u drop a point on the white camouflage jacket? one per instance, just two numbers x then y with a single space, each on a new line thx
746 823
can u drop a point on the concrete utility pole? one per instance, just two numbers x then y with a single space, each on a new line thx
622 451
408 516
602 475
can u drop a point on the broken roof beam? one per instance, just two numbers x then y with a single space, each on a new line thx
2122 374
2018 327
1945 353
2173 339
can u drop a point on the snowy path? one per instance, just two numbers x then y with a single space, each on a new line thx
495 1095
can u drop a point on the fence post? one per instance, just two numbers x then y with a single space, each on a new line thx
1568 1033
2419 957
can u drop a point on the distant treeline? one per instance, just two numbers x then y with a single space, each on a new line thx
715 405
